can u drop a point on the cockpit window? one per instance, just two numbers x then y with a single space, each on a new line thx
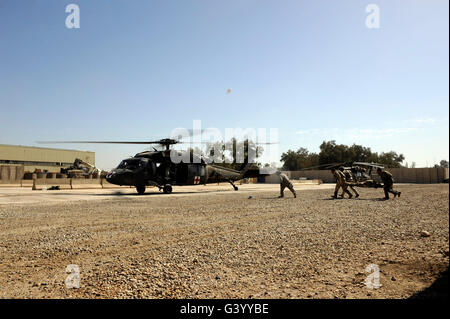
130 164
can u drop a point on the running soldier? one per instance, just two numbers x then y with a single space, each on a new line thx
340 183
349 181
285 182
388 183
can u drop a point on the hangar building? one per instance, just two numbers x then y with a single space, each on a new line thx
41 158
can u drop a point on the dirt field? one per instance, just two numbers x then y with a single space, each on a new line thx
221 243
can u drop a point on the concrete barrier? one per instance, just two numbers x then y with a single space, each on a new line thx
11 173
295 178
401 175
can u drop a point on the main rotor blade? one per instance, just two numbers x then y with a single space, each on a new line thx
113 142
97 142
323 165
369 164
163 142
268 143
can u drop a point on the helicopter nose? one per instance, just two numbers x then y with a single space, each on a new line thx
114 178
120 178
110 177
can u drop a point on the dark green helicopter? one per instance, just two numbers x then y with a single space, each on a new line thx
155 168
360 172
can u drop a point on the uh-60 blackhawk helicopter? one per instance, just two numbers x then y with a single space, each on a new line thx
360 173
156 168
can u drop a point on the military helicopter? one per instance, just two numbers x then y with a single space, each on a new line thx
155 168
361 172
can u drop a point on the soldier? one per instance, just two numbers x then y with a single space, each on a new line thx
348 179
340 183
388 182
285 182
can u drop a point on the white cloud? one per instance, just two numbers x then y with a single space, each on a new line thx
422 121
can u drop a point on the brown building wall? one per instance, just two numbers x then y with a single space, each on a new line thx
50 159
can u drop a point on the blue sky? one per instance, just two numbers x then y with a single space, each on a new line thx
135 70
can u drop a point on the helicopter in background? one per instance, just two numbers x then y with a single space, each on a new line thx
155 168
361 172
81 168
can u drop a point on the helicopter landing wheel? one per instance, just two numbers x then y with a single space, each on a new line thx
167 189
140 189
236 188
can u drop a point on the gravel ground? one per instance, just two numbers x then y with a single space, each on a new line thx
225 245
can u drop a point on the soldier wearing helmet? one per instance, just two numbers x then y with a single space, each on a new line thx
340 183
285 182
349 181
388 183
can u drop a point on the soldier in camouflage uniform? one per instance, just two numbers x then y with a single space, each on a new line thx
340 183
285 182
348 179
388 182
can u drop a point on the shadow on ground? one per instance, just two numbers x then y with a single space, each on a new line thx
139 195
359 198
438 290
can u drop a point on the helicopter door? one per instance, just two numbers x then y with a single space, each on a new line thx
151 169
182 174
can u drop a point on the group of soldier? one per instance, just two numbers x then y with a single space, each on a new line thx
344 181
